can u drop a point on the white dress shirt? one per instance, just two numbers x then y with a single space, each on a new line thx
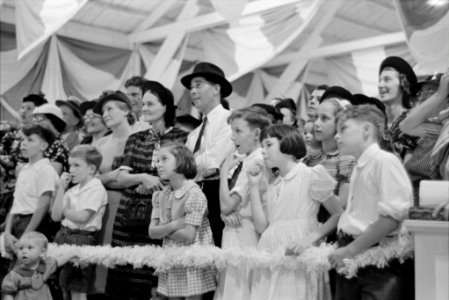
379 186
216 141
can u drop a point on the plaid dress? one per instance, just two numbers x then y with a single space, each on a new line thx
168 205
138 155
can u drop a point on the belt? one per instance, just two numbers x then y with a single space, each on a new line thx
78 231
344 239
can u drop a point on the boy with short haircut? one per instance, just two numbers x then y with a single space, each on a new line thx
28 279
36 183
380 195
81 210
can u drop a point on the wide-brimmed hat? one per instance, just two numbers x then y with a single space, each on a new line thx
402 67
286 103
38 100
86 105
115 96
271 110
74 104
337 92
209 72
54 112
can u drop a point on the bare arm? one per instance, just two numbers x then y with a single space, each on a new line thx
333 206
258 212
412 123
159 231
343 191
186 234
39 214
228 202
78 216
372 235
126 179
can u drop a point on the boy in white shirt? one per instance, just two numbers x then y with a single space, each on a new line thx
81 210
36 183
380 195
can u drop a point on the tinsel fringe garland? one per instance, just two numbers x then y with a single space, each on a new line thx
164 259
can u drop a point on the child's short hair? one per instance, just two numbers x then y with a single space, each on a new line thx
255 116
40 131
290 140
89 154
185 161
36 236
367 113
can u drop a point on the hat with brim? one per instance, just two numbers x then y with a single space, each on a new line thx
54 112
38 100
271 110
116 96
287 103
74 105
402 67
211 73
361 99
86 105
339 93
188 120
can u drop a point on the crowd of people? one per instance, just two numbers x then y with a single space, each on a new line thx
124 170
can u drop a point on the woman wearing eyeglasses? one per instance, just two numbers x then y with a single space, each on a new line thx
94 125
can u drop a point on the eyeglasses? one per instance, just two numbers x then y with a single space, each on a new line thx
92 117
38 119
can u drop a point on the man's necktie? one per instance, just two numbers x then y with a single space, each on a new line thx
200 135
235 175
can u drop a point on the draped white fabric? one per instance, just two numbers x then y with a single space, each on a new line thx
427 29
252 41
37 20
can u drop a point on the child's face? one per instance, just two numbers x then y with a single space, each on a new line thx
349 137
166 163
30 252
271 152
308 133
325 122
32 146
243 136
80 169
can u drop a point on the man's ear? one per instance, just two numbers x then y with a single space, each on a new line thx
217 88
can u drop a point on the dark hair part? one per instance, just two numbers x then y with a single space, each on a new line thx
290 140
41 132
36 236
89 154
165 97
255 116
185 161
137 81
365 113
